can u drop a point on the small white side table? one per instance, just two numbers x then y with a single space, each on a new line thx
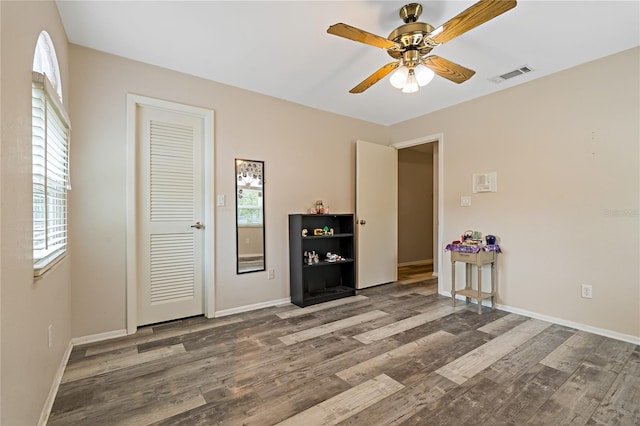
479 259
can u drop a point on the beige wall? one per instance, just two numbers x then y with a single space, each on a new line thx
566 151
28 307
565 148
308 155
415 205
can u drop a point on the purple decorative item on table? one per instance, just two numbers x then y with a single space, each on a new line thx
471 249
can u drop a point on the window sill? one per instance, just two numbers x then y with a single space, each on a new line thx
47 264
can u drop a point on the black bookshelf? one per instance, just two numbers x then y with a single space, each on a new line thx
322 281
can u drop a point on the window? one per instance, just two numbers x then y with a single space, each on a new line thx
250 206
45 61
50 162
249 199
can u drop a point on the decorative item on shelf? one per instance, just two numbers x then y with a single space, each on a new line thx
325 230
318 231
332 257
311 257
319 208
331 231
305 231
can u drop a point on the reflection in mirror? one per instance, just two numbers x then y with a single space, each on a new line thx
250 216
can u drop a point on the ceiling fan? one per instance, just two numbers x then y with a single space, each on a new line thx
411 43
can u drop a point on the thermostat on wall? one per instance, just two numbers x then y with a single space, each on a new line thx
485 182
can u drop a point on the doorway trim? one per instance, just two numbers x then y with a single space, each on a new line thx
207 116
438 137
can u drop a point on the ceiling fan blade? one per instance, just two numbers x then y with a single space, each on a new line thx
474 16
356 34
447 69
375 77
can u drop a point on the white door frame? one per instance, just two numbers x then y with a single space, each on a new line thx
207 116
438 137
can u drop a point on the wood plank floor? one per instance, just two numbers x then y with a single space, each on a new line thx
394 354
409 274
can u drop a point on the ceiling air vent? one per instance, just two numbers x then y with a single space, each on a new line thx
506 76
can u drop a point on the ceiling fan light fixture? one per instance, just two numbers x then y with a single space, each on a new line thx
411 44
399 78
424 75
411 85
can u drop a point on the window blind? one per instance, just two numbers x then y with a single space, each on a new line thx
50 165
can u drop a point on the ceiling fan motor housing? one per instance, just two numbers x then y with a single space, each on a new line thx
412 36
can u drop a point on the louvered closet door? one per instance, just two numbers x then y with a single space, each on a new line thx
170 197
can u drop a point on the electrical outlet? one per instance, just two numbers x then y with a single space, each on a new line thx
587 291
272 274
50 331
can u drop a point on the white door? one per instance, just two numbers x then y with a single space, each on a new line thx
376 214
170 215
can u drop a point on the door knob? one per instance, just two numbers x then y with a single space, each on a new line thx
197 225
363 222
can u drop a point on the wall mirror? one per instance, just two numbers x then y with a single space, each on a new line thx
250 254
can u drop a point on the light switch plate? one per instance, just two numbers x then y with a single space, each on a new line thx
220 201
465 201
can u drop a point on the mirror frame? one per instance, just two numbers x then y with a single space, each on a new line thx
238 178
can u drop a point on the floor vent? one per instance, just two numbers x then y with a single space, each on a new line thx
506 76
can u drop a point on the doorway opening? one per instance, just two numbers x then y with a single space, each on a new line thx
419 209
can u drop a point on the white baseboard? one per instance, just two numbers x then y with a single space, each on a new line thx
98 337
584 327
253 307
57 379
579 326
417 262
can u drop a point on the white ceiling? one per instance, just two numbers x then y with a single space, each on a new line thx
281 48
